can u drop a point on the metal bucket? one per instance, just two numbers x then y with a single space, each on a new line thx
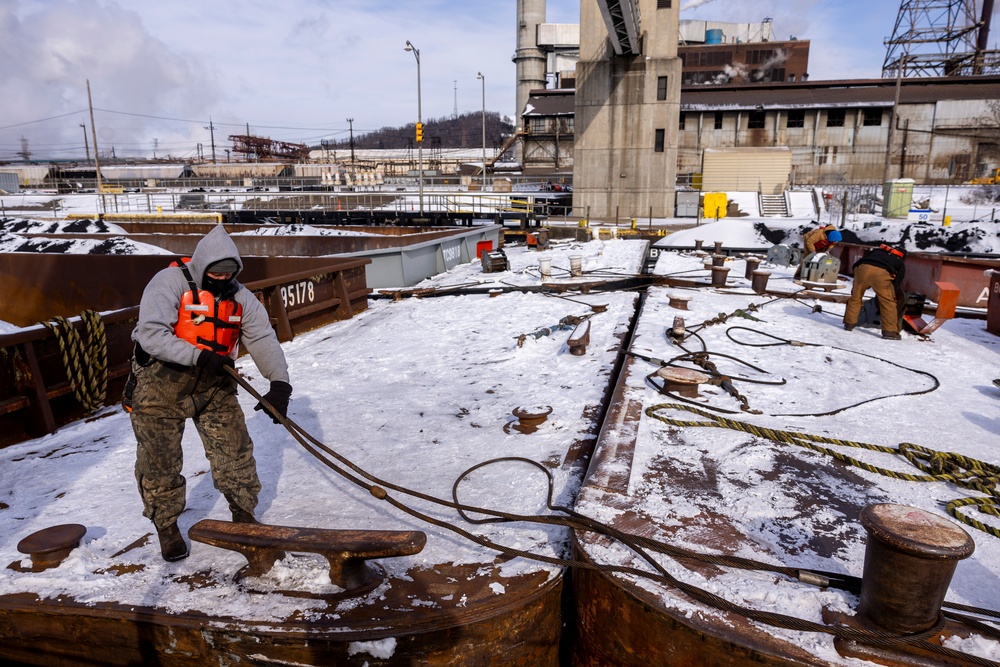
909 561
545 266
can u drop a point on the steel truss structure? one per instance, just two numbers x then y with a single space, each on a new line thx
940 38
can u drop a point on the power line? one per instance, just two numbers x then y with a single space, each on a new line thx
41 120
201 122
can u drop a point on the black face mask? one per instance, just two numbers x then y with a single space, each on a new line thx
220 289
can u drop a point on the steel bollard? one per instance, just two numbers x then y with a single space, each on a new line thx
909 561
758 281
719 276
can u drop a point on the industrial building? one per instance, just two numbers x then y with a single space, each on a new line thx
715 52
743 91
947 129
626 108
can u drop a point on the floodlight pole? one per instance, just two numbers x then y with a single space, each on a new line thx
481 77
420 144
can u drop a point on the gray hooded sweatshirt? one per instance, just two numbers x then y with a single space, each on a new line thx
158 312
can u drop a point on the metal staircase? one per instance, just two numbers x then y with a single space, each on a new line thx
773 205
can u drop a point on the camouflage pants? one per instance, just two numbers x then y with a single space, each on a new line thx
164 399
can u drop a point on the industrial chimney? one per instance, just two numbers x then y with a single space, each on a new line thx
529 59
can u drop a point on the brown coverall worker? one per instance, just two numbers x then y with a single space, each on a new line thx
882 270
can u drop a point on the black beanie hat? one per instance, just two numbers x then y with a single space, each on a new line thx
223 266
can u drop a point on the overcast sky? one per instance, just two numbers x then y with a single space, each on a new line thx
297 70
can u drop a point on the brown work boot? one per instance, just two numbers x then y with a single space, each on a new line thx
172 544
849 327
891 335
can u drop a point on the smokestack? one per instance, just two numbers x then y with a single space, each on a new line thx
529 59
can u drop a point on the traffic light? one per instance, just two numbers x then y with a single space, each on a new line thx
420 132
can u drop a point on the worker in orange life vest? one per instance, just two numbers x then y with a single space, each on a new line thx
193 316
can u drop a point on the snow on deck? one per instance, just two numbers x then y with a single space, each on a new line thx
415 391
717 490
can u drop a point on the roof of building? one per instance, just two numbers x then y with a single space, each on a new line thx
798 94
550 102
846 93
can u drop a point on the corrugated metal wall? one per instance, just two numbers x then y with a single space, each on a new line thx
746 169
239 170
29 176
142 172
9 182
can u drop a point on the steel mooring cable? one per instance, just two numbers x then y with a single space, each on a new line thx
574 521
703 361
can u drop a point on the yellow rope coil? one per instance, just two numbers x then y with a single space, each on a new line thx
941 466
86 362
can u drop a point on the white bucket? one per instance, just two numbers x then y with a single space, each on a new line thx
576 265
545 266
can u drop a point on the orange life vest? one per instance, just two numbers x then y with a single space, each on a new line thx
206 322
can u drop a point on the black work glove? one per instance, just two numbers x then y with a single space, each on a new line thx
214 364
277 396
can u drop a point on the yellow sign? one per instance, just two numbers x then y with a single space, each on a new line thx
716 204
112 190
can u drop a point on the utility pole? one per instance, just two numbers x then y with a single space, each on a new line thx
86 146
893 119
350 124
419 128
211 129
93 132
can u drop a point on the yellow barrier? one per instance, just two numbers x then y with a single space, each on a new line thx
716 204
139 217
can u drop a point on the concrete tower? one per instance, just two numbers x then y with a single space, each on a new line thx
530 60
627 109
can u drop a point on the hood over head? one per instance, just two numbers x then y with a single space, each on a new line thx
214 247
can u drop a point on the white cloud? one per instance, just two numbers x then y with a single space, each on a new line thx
50 50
